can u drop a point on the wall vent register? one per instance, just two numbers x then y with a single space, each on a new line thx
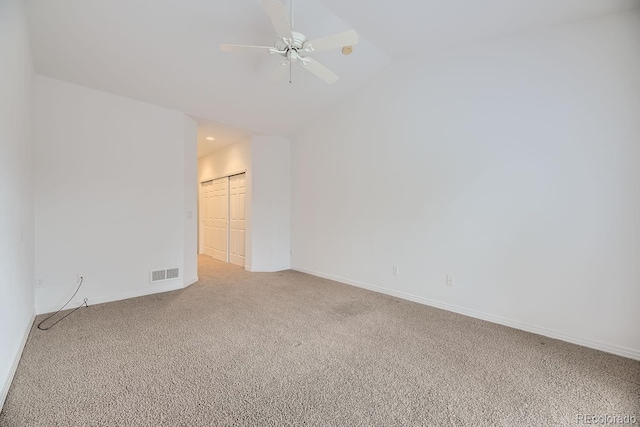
161 275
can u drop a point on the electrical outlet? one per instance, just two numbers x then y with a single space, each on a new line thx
39 283
396 271
450 280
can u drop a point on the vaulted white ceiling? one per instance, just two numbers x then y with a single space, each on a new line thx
165 52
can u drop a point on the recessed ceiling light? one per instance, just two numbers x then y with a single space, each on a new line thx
210 138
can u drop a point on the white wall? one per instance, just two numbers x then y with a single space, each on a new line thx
271 203
514 165
16 190
190 189
230 160
111 195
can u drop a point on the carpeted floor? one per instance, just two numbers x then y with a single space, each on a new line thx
287 348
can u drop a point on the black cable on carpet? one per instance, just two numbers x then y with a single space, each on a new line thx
84 304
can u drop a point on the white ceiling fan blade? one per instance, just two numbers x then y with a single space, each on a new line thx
336 41
278 16
245 48
319 70
281 69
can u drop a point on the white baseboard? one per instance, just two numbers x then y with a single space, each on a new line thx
190 282
16 361
597 345
267 269
174 285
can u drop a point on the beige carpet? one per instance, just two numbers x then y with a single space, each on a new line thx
286 348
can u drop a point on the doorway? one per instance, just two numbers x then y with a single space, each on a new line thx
223 219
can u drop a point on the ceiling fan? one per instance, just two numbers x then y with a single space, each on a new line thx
293 47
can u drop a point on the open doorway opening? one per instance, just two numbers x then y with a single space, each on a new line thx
244 202
224 193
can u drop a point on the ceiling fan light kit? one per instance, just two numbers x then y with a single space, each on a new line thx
294 47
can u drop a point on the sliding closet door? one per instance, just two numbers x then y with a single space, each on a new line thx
220 218
207 218
237 191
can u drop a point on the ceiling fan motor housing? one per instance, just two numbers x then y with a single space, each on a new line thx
296 44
